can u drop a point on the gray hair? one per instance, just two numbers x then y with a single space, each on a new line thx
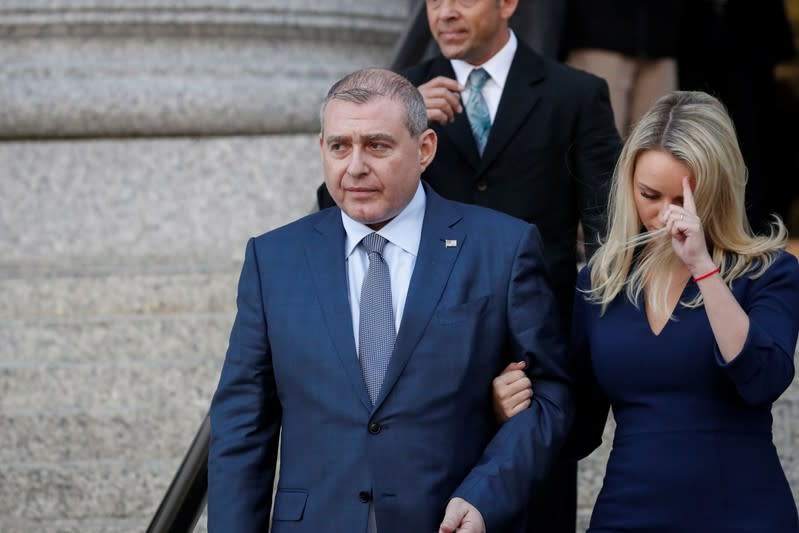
365 85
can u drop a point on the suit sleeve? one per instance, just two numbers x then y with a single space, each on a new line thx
245 418
764 368
525 447
593 155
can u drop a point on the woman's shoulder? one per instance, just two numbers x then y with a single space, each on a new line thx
583 294
783 264
782 273
787 261
584 278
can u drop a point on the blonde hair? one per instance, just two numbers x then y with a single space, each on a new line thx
695 129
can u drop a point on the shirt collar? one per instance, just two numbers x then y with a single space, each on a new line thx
497 67
404 230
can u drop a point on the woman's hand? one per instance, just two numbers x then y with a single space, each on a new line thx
687 234
512 391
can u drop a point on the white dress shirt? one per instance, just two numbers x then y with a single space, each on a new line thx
403 234
497 67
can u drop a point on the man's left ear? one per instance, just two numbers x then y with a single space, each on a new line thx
428 141
507 8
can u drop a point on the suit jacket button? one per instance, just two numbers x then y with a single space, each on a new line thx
364 496
374 428
482 186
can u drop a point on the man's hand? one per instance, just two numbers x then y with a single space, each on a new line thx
462 517
512 391
442 98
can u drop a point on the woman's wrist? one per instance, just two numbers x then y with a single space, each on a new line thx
711 272
702 267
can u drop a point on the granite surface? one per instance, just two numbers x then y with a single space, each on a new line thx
121 68
142 337
148 204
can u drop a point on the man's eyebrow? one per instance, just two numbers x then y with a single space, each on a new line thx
378 137
337 139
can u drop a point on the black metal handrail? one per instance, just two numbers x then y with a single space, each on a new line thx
185 498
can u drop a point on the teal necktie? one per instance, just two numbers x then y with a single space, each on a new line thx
477 109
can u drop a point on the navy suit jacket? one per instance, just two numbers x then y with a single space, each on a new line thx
292 371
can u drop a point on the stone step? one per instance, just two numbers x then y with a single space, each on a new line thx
135 524
202 522
124 384
583 519
141 337
100 201
70 435
84 489
118 293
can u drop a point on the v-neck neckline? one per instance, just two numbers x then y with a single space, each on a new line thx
672 312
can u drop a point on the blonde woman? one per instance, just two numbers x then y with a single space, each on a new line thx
685 323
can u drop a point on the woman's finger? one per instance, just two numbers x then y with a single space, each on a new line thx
688 196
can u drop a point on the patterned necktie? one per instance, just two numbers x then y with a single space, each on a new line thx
477 109
376 333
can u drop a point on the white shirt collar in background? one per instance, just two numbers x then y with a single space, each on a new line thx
497 67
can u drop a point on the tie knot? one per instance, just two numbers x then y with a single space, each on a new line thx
374 243
477 78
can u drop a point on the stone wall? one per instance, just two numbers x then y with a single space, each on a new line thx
120 261
142 142
95 68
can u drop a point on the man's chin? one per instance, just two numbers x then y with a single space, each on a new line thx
374 222
451 51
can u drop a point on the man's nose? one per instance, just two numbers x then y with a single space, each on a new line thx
357 166
448 9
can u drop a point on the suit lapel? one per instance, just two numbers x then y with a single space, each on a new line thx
434 264
325 253
520 95
459 131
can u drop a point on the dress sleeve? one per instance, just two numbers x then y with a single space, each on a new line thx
591 404
764 368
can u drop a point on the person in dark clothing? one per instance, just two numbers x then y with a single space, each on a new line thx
718 55
632 44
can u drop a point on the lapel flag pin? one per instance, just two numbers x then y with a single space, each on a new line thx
450 243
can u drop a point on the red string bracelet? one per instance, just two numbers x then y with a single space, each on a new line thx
707 274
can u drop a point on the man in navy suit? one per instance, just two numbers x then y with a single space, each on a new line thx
417 449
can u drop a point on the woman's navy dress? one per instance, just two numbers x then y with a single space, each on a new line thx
693 448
